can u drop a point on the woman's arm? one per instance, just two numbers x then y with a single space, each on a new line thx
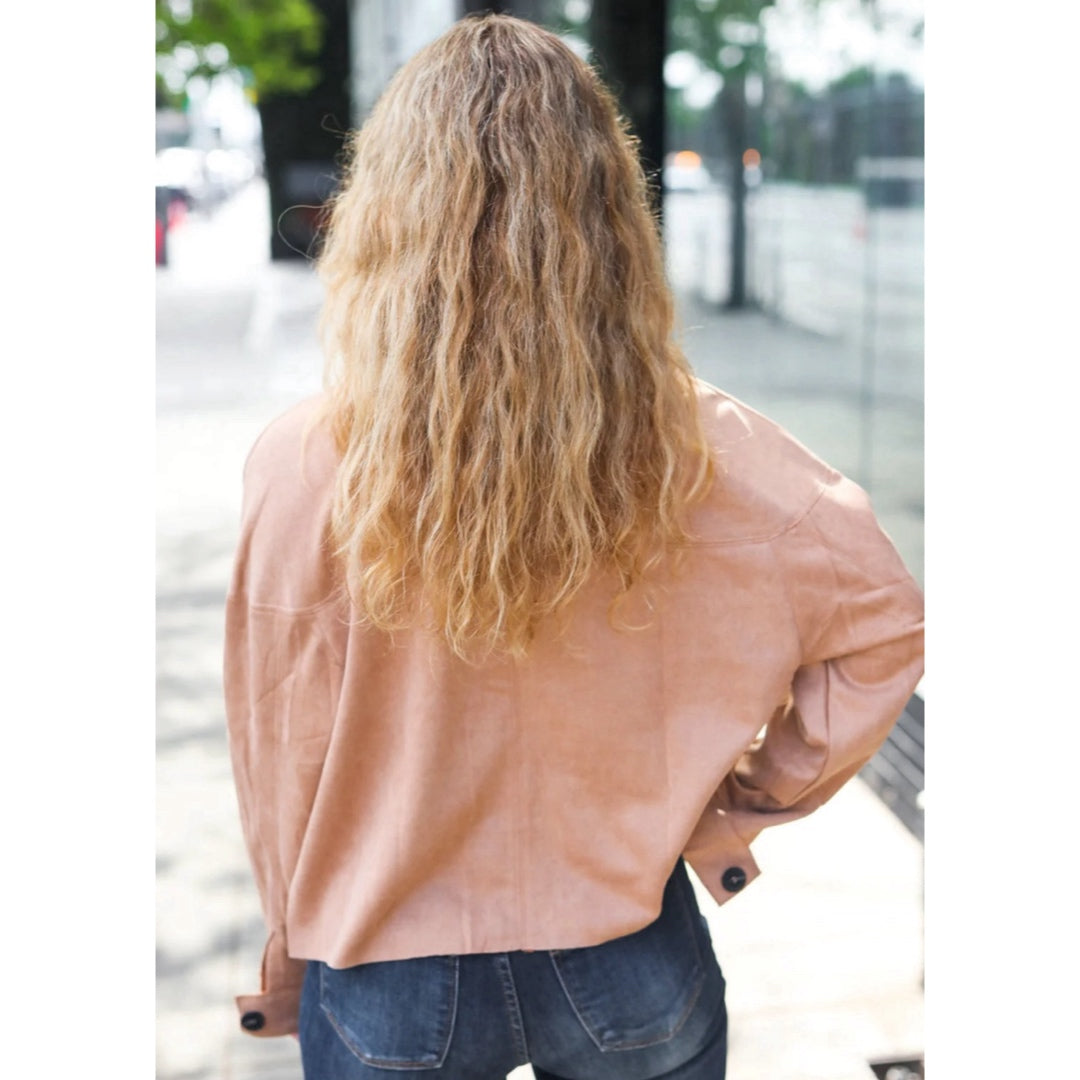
859 616
282 674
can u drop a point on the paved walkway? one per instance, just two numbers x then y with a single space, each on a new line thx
822 954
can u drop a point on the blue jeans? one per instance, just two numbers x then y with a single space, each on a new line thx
647 1005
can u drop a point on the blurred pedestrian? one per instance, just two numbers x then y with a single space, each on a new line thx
524 617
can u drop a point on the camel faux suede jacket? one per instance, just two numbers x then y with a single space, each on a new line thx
397 802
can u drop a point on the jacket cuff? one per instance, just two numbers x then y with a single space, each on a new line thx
276 1012
720 856
276 1009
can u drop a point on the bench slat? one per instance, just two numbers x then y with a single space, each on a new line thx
896 773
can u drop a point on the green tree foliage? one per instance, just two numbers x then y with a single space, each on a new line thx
271 41
723 34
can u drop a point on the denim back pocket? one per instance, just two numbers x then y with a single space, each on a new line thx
394 1014
638 990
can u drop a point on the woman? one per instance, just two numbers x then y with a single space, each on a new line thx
524 615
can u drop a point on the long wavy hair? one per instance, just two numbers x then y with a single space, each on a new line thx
512 413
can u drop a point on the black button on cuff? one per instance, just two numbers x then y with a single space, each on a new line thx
252 1021
734 878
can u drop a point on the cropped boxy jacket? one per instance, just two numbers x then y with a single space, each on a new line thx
397 802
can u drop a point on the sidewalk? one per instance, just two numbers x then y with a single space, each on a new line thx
823 953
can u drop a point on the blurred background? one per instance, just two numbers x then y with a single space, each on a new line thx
785 140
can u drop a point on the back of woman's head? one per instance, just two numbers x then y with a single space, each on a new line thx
512 413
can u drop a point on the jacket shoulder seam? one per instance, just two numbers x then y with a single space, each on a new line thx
282 609
765 538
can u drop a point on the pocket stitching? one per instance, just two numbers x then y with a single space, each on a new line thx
667 1036
385 1063
587 1028
698 973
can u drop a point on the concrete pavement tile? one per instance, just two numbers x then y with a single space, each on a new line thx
812 1046
246 1058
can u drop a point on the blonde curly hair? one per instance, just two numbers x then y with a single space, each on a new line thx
511 410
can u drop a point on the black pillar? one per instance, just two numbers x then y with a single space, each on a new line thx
496 7
303 136
629 40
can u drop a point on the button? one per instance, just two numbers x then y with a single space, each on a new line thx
252 1021
734 878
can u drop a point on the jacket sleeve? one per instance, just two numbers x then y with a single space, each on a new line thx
280 679
859 617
